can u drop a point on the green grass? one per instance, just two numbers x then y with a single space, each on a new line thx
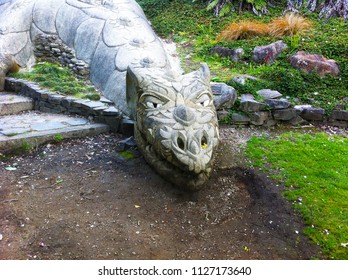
314 169
195 30
127 154
59 79
58 138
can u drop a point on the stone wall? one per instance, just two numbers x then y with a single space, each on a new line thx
102 111
51 48
271 109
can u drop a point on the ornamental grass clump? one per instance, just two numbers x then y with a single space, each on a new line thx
243 30
289 25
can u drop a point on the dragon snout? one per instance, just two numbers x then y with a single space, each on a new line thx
184 115
193 149
191 145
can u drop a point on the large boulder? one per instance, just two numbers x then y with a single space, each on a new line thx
314 62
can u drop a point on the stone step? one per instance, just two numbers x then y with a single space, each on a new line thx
33 128
11 103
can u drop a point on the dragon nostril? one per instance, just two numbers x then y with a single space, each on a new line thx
181 143
204 142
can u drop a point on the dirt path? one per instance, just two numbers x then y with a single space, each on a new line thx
81 200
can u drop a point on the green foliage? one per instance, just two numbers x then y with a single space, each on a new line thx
58 138
314 168
195 31
127 154
59 79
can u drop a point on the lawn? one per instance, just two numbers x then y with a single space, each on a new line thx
314 169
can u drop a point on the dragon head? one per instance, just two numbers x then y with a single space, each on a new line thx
176 127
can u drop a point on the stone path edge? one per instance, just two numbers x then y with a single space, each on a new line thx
34 139
102 111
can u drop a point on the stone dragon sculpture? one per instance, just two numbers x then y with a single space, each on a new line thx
176 125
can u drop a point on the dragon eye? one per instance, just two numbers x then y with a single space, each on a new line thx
150 101
204 100
152 105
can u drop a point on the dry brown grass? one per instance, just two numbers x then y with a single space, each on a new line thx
289 25
243 30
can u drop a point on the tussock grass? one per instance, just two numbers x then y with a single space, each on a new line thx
289 25
243 30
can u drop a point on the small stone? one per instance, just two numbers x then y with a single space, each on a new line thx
269 94
224 95
1 236
277 104
284 115
126 144
251 106
240 118
259 118
241 79
313 114
340 115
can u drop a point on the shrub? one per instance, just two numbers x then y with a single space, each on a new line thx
289 25
243 30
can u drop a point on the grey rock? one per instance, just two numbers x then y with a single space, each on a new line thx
126 144
275 104
269 53
224 96
284 115
241 79
300 108
234 54
313 114
338 115
298 121
111 111
269 94
251 106
240 118
259 118
223 115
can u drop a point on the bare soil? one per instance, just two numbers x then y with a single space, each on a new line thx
80 199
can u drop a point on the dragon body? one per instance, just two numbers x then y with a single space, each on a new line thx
176 126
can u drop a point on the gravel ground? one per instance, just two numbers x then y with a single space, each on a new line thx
80 199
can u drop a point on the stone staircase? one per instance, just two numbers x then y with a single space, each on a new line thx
21 126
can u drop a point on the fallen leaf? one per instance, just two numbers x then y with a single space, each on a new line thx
137 206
